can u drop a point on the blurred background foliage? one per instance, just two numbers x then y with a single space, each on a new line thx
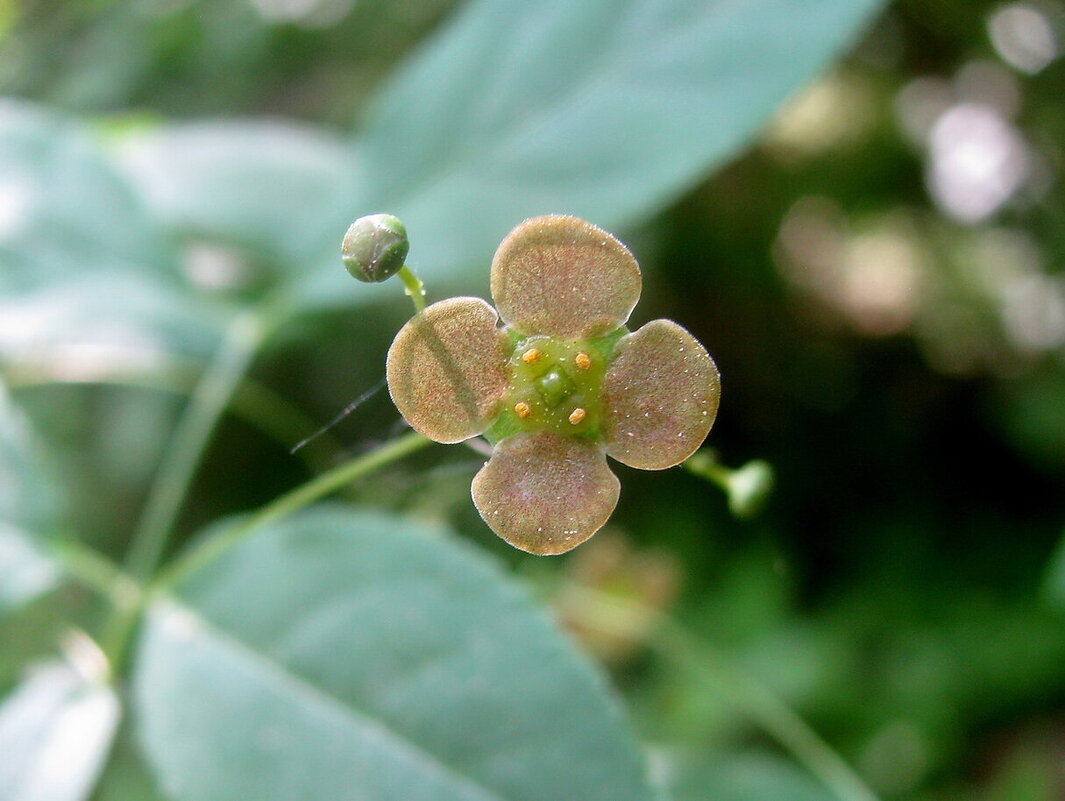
880 278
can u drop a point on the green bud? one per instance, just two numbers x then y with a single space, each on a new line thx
749 488
375 247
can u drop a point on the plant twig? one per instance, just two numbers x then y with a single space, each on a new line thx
293 501
205 407
92 569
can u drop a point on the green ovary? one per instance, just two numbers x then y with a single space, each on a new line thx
554 386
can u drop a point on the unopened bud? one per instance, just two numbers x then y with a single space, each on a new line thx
749 488
375 247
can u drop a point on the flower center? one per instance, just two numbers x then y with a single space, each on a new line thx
554 386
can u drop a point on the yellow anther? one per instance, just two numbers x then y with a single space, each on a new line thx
582 361
521 409
577 415
530 356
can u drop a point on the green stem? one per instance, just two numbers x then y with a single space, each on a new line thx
413 287
122 624
205 406
293 501
126 596
95 571
756 700
705 465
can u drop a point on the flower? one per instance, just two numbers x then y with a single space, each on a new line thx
561 385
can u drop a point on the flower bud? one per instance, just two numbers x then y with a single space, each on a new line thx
375 247
749 488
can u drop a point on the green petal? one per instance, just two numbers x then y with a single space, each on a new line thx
660 397
564 277
545 493
447 369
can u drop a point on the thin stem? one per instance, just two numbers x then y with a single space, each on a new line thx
126 596
760 703
414 287
205 407
95 571
748 487
120 627
293 501
705 465
123 592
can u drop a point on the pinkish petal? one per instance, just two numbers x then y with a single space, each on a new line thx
447 369
564 277
545 493
660 397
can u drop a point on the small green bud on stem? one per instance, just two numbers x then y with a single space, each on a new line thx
375 247
748 487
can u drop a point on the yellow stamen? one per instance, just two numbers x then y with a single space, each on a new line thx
582 361
521 409
530 356
577 415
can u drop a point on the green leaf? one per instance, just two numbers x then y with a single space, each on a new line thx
256 183
745 777
66 212
604 109
25 572
126 777
84 274
1055 579
26 495
30 635
55 731
28 512
347 655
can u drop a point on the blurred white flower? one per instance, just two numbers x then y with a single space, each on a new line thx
1023 36
977 160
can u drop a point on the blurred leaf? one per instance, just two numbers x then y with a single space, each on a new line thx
1029 410
27 512
27 498
30 635
66 212
1055 580
604 109
81 264
25 572
341 654
1029 770
55 731
126 777
255 183
745 777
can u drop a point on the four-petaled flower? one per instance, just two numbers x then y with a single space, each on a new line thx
559 387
